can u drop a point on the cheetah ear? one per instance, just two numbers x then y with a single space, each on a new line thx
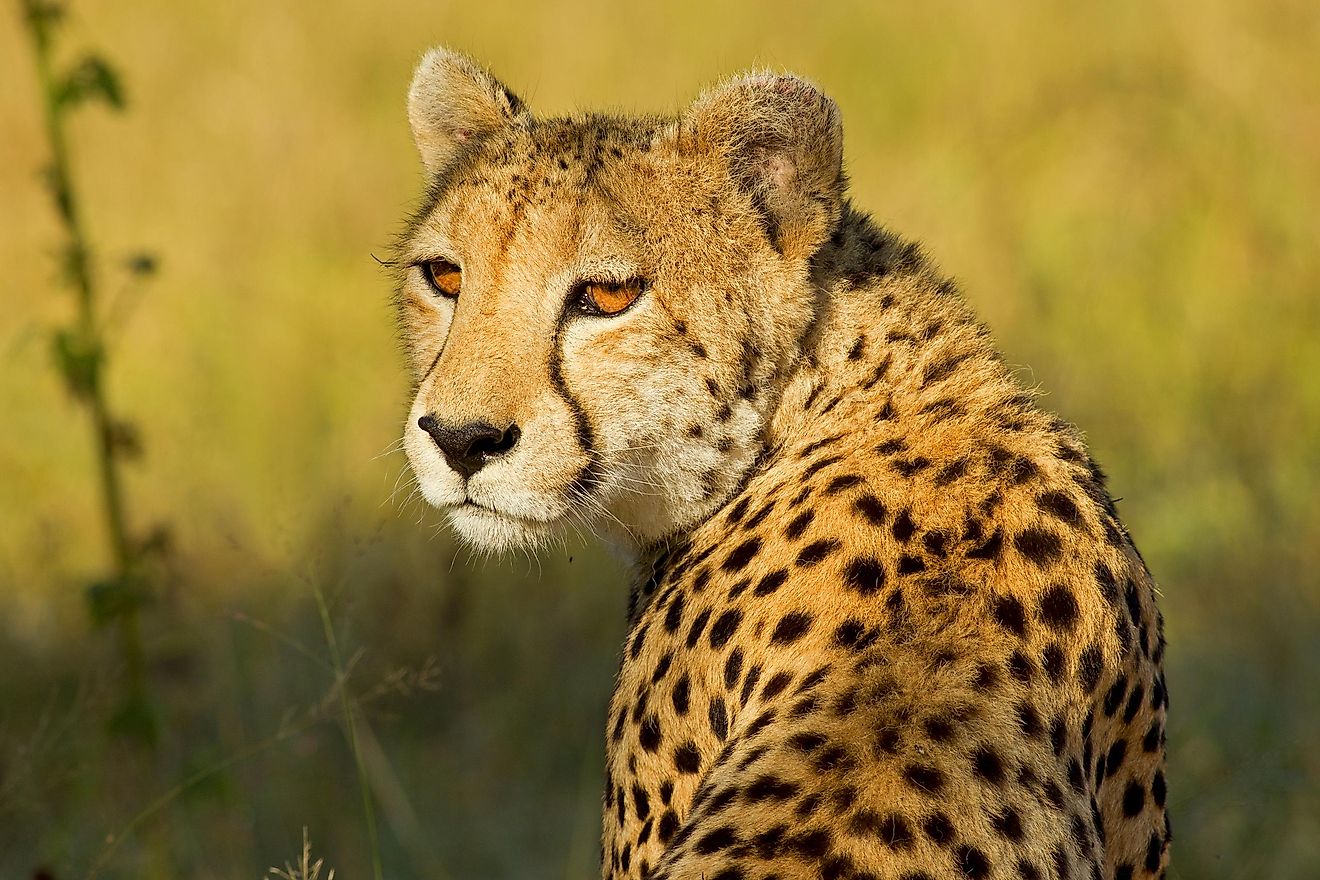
453 103
782 140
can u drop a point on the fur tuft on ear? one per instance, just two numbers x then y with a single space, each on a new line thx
782 139
453 102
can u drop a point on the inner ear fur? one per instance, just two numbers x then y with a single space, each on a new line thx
452 103
782 139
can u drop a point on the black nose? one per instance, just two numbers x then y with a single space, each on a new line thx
467 447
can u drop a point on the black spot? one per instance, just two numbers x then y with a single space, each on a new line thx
1008 824
1107 582
1076 778
1062 864
724 627
988 765
716 840
903 525
1053 660
1028 871
924 778
799 524
858 346
1059 505
887 741
776 685
767 843
909 466
742 554
768 787
842 482
674 616
988 550
771 582
1059 735
938 828
870 508
811 844
939 728
942 369
641 802
698 626
753 676
718 716
910 565
849 633
816 551
1115 759
662 667
889 447
1114 696
987 677
1123 872
739 510
680 695
864 575
973 862
1151 741
733 668
1089 667
639 638
1154 849
790 628
1134 799
1158 789
649 737
934 542
1029 721
1021 667
807 742
1011 615
1041 546
1058 608
895 831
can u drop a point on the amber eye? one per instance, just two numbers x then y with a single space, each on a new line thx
607 298
444 276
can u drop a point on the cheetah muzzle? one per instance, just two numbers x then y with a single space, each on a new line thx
885 621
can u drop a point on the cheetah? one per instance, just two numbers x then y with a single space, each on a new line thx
885 622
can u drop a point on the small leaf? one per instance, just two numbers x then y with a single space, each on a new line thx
78 360
91 79
142 264
111 599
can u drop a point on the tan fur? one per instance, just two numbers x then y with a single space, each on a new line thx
886 622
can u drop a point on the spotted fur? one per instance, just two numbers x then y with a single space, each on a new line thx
886 621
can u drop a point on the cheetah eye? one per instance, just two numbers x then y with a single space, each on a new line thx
444 277
606 298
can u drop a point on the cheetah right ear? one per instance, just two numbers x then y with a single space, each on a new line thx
452 103
782 141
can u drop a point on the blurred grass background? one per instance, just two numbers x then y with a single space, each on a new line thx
1128 191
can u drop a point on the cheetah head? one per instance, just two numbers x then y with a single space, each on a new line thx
599 310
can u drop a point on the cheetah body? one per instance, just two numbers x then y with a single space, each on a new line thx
886 622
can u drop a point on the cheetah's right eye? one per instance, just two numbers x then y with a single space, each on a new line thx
445 277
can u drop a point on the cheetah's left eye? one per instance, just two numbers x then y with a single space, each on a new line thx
607 298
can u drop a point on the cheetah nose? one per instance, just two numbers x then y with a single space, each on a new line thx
467 448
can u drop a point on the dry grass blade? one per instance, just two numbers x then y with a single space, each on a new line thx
306 869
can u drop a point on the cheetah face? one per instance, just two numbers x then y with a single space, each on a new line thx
597 310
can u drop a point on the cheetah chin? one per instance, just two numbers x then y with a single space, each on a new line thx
885 620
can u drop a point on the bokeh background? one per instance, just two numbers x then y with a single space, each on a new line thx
1128 192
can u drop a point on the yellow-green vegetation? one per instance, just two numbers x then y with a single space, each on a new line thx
1127 190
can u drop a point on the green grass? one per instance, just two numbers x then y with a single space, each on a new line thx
1127 192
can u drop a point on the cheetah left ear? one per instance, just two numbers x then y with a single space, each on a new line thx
782 141
453 103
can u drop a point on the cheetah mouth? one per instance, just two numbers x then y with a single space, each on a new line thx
489 528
